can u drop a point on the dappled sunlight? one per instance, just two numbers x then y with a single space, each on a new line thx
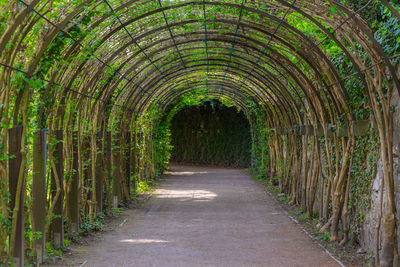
143 241
198 195
183 173
98 98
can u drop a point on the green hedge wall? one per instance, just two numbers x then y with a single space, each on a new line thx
211 134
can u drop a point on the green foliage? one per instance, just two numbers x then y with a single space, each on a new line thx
142 187
387 30
53 56
67 242
114 212
363 173
155 143
211 134
303 217
162 147
51 253
370 13
87 227
260 140
3 16
326 236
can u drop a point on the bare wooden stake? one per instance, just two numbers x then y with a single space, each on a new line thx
133 160
15 136
116 161
57 224
87 171
128 161
39 193
74 190
99 172
108 171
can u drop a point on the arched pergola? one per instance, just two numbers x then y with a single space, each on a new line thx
102 75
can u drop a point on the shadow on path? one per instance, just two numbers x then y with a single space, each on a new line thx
205 216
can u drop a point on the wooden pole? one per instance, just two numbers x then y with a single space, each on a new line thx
108 171
39 193
74 190
87 171
99 172
15 137
57 224
133 159
128 161
116 161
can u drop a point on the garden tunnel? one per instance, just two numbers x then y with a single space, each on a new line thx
88 89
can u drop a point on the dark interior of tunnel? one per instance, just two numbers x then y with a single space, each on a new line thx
211 134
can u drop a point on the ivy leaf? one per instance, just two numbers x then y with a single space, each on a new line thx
374 23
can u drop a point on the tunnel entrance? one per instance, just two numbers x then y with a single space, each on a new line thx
211 134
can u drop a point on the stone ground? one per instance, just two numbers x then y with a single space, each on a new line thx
204 216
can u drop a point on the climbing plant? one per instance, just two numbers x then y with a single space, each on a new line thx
211 134
106 78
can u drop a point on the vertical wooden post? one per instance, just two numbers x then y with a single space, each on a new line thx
57 224
99 171
87 170
39 193
133 160
116 161
128 161
15 136
108 166
74 191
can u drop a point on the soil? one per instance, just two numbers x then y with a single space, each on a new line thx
203 216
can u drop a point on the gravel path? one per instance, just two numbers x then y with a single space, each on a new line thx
204 216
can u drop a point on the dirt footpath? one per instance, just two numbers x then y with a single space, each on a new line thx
202 216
